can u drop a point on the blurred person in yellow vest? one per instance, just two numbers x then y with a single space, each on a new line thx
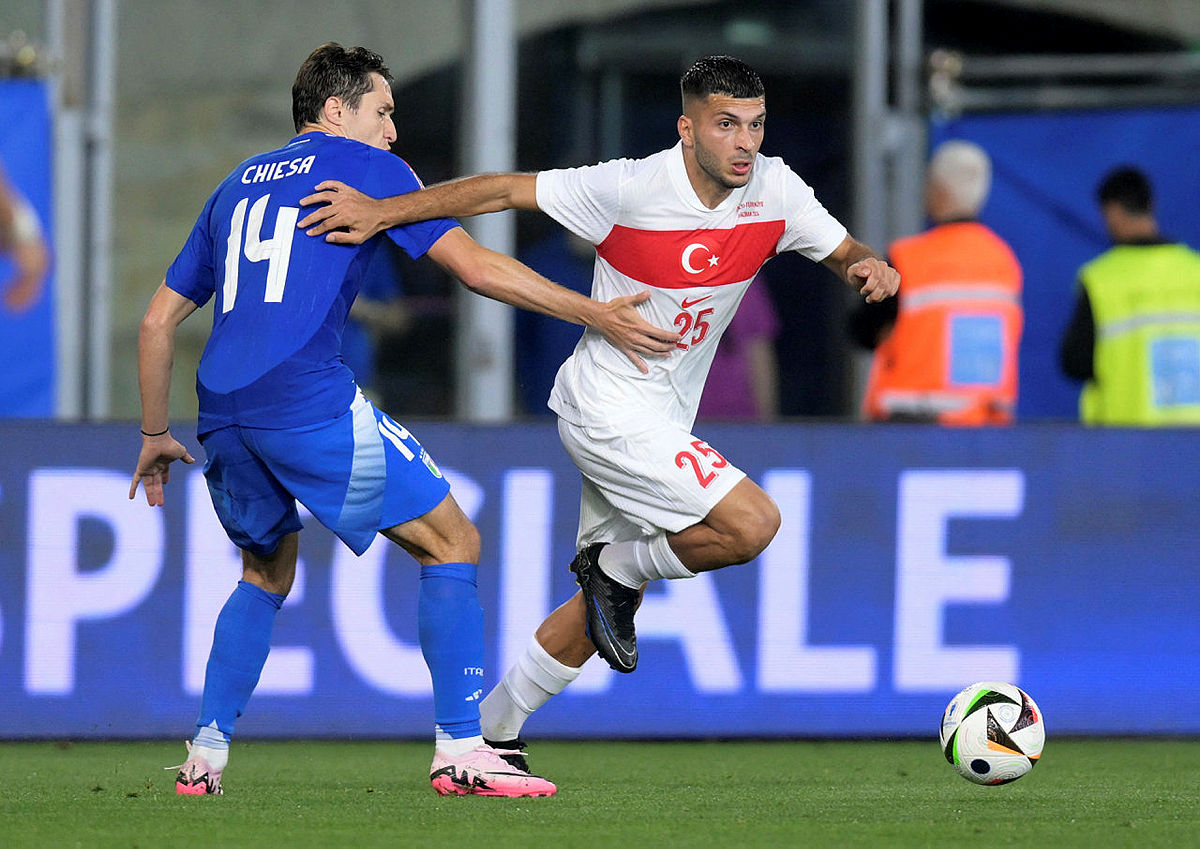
1134 337
946 347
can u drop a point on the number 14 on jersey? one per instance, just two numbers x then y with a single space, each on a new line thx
277 250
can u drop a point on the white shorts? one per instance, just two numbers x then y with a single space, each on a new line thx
643 474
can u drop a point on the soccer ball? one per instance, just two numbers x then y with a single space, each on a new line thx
992 733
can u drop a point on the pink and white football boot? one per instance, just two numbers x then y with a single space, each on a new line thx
482 772
196 777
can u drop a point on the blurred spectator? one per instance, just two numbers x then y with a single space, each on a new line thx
946 346
743 382
378 312
542 343
21 242
1134 337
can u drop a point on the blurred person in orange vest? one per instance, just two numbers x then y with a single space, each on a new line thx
946 347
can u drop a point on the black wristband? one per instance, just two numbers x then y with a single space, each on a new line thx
160 433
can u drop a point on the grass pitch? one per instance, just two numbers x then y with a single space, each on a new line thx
1085 793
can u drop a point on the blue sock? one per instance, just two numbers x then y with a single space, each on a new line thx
450 625
241 641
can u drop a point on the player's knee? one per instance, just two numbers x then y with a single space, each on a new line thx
463 545
470 544
755 531
272 571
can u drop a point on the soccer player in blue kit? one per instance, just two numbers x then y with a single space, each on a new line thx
281 419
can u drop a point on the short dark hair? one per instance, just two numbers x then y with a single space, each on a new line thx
1129 188
720 75
333 71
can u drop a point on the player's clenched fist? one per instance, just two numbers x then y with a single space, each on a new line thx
875 278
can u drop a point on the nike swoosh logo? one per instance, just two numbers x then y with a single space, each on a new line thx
626 658
688 304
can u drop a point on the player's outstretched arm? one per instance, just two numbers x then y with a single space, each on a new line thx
156 355
502 278
21 238
347 216
863 269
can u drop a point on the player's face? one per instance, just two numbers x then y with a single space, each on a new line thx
372 122
724 134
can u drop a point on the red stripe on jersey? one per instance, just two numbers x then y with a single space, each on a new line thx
683 259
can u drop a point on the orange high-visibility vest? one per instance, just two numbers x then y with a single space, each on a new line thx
952 356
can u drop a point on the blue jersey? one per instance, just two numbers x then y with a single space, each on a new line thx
273 358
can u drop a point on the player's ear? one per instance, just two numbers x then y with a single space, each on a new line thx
684 125
333 110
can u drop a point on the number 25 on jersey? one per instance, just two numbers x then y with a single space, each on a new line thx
277 250
697 325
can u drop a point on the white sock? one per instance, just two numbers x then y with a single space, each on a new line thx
528 684
454 746
634 563
210 744
217 759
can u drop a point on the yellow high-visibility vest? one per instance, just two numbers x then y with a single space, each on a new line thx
1145 301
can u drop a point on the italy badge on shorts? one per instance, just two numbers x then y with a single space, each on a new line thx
413 484
357 474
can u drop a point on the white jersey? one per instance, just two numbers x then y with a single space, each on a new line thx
652 232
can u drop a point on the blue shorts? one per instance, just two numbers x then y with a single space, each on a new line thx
358 474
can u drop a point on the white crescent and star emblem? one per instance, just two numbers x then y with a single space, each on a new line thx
686 259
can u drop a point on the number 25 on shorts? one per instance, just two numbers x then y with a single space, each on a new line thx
705 456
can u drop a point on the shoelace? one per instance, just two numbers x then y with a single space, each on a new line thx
187 743
185 763
625 600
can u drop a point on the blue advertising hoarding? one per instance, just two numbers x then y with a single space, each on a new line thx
911 561
27 350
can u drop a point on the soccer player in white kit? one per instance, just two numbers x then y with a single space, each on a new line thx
692 225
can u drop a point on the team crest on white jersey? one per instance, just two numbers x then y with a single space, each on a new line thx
686 259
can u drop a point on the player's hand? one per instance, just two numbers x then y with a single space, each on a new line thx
154 466
31 261
632 335
22 294
875 279
346 216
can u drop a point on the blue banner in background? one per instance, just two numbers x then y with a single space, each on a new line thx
911 561
27 347
1047 166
